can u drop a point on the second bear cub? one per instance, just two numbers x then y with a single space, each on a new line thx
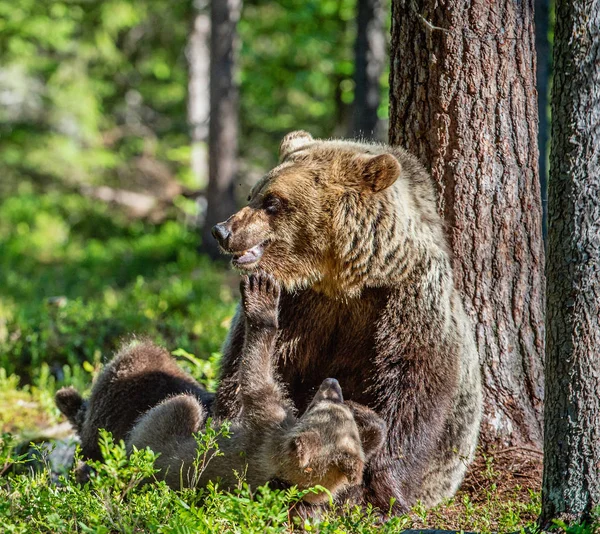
328 445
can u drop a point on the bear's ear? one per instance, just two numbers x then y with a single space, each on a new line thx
371 428
305 446
352 466
292 142
379 172
372 433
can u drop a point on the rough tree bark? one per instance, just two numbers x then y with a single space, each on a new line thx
198 56
223 126
571 480
369 60
463 99
543 51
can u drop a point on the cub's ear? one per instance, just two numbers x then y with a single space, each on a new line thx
292 142
379 172
69 401
72 406
372 436
353 467
371 428
305 446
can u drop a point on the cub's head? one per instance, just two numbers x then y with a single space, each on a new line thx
327 447
316 214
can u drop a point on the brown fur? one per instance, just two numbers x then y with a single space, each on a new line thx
139 377
324 446
352 232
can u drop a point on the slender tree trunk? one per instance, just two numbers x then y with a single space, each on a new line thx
571 482
368 67
198 54
462 96
223 127
543 51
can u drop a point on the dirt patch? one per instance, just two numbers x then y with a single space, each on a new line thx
501 492
505 471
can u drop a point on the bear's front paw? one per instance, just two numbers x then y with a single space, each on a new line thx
260 299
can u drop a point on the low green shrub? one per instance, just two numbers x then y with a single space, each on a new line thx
117 499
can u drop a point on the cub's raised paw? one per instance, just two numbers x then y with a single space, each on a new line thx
260 299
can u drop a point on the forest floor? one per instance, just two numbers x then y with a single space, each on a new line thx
501 492
76 277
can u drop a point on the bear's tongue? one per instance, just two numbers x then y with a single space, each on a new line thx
250 256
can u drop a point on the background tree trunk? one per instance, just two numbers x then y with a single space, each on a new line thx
370 57
543 51
462 97
198 54
223 127
571 481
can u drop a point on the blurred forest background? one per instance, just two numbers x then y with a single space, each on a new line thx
104 156
116 93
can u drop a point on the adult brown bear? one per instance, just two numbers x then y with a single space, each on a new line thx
352 233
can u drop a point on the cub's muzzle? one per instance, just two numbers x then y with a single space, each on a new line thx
330 390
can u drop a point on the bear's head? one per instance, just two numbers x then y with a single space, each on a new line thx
327 447
327 216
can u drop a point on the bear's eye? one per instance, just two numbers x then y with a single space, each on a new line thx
272 204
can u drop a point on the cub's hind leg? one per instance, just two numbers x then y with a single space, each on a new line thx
169 429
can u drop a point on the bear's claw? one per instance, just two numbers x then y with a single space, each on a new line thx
260 299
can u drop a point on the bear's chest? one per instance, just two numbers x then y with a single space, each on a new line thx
320 338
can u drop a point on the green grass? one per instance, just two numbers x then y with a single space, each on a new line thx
116 499
75 279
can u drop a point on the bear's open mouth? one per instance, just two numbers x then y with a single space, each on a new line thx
249 257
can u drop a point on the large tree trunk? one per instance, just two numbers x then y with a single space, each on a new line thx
463 99
223 127
542 47
571 485
198 55
369 53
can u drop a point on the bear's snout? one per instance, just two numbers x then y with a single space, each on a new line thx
221 233
244 236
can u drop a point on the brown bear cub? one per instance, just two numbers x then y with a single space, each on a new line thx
139 377
326 446
351 231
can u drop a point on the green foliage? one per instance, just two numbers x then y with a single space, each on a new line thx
118 499
76 277
295 56
94 92
590 527
91 86
26 409
297 66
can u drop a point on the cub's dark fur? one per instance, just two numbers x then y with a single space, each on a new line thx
139 377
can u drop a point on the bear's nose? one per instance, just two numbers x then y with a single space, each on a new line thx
221 233
330 389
